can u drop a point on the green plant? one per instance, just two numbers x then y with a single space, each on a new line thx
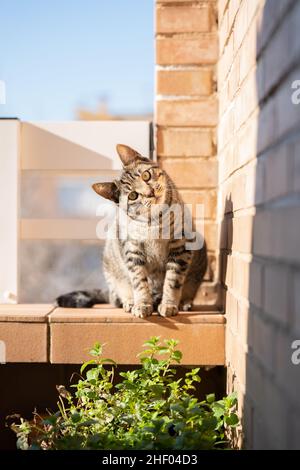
149 409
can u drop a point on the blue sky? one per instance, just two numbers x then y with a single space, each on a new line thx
58 55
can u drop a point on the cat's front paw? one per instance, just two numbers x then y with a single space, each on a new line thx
127 306
167 310
142 310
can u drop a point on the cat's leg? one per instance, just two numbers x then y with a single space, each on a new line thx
120 291
156 282
178 262
116 275
135 261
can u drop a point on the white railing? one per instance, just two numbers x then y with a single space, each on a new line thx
77 148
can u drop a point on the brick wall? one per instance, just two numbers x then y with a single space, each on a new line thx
259 213
186 108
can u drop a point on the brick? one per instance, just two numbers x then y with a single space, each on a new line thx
222 6
247 141
226 162
287 113
242 234
191 173
183 19
223 31
22 313
240 26
296 302
187 112
226 130
275 57
231 349
247 421
233 80
261 438
294 431
287 373
267 124
241 366
276 233
296 166
264 342
273 412
245 188
207 294
231 309
246 101
233 8
178 142
184 51
227 270
73 332
208 198
24 330
226 233
240 276
24 341
225 61
276 303
245 315
185 82
256 284
247 57
255 379
278 168
210 235
271 14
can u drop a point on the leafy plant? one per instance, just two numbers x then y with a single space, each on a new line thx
149 409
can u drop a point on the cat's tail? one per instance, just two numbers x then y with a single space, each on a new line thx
82 299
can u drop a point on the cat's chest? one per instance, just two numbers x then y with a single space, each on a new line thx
156 253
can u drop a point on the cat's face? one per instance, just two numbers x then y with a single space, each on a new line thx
141 186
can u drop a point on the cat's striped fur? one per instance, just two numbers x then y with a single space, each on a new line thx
145 272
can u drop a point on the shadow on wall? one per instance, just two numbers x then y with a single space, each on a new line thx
272 401
272 413
270 270
226 231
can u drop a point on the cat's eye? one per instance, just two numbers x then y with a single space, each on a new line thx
146 175
133 195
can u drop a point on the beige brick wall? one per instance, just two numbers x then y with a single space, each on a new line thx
259 213
187 110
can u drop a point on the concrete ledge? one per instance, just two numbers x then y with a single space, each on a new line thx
43 333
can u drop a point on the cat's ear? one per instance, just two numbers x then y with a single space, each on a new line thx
128 155
108 190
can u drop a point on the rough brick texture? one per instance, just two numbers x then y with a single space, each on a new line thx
187 112
185 82
259 214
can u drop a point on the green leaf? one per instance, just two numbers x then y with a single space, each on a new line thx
231 400
177 356
163 350
109 361
85 364
96 350
75 417
232 420
210 398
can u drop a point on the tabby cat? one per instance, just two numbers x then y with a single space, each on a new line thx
144 272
